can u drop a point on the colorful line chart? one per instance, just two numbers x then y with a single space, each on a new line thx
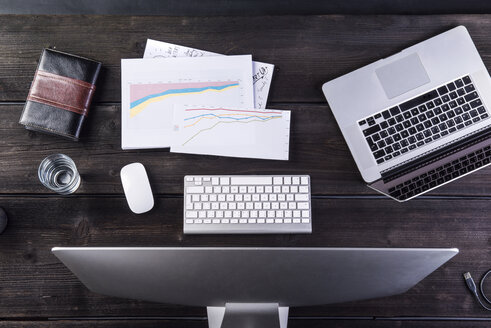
142 95
244 117
151 88
233 132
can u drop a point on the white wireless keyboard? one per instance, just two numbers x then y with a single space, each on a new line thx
247 204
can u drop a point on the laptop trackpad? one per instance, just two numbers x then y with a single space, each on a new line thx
402 75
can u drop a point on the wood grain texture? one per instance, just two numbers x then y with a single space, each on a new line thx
316 148
201 323
34 283
307 50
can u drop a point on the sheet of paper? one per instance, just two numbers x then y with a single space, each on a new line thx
151 87
262 72
233 132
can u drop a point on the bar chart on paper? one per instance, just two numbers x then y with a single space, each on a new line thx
232 132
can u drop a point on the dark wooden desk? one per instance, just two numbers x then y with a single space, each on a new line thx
307 51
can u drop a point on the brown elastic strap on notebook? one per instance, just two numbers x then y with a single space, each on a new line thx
62 92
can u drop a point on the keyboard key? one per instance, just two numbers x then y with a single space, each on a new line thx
195 190
471 96
379 153
191 214
419 100
371 130
469 88
303 206
301 197
252 180
277 180
476 103
466 79
394 111
442 90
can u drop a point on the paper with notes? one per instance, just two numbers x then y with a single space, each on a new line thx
262 72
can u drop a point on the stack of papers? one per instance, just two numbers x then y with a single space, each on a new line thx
199 102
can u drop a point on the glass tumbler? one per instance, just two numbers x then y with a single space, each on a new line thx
59 173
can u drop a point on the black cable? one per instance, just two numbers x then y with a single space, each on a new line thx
472 287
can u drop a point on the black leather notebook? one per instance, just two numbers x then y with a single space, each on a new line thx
60 94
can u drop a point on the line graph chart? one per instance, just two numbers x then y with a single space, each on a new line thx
151 88
233 132
229 118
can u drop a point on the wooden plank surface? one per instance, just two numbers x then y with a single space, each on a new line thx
316 148
293 323
307 50
34 283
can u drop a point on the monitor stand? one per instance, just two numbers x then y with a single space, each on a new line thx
242 315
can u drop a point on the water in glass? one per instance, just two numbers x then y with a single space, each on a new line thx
59 173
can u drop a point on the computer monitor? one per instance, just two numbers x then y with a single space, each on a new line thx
251 287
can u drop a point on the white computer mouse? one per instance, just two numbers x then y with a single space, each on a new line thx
137 188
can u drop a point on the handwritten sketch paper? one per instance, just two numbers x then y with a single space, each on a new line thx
262 72
234 132
151 87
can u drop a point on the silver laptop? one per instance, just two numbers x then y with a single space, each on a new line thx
418 119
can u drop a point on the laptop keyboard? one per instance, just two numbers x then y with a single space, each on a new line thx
442 174
423 119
